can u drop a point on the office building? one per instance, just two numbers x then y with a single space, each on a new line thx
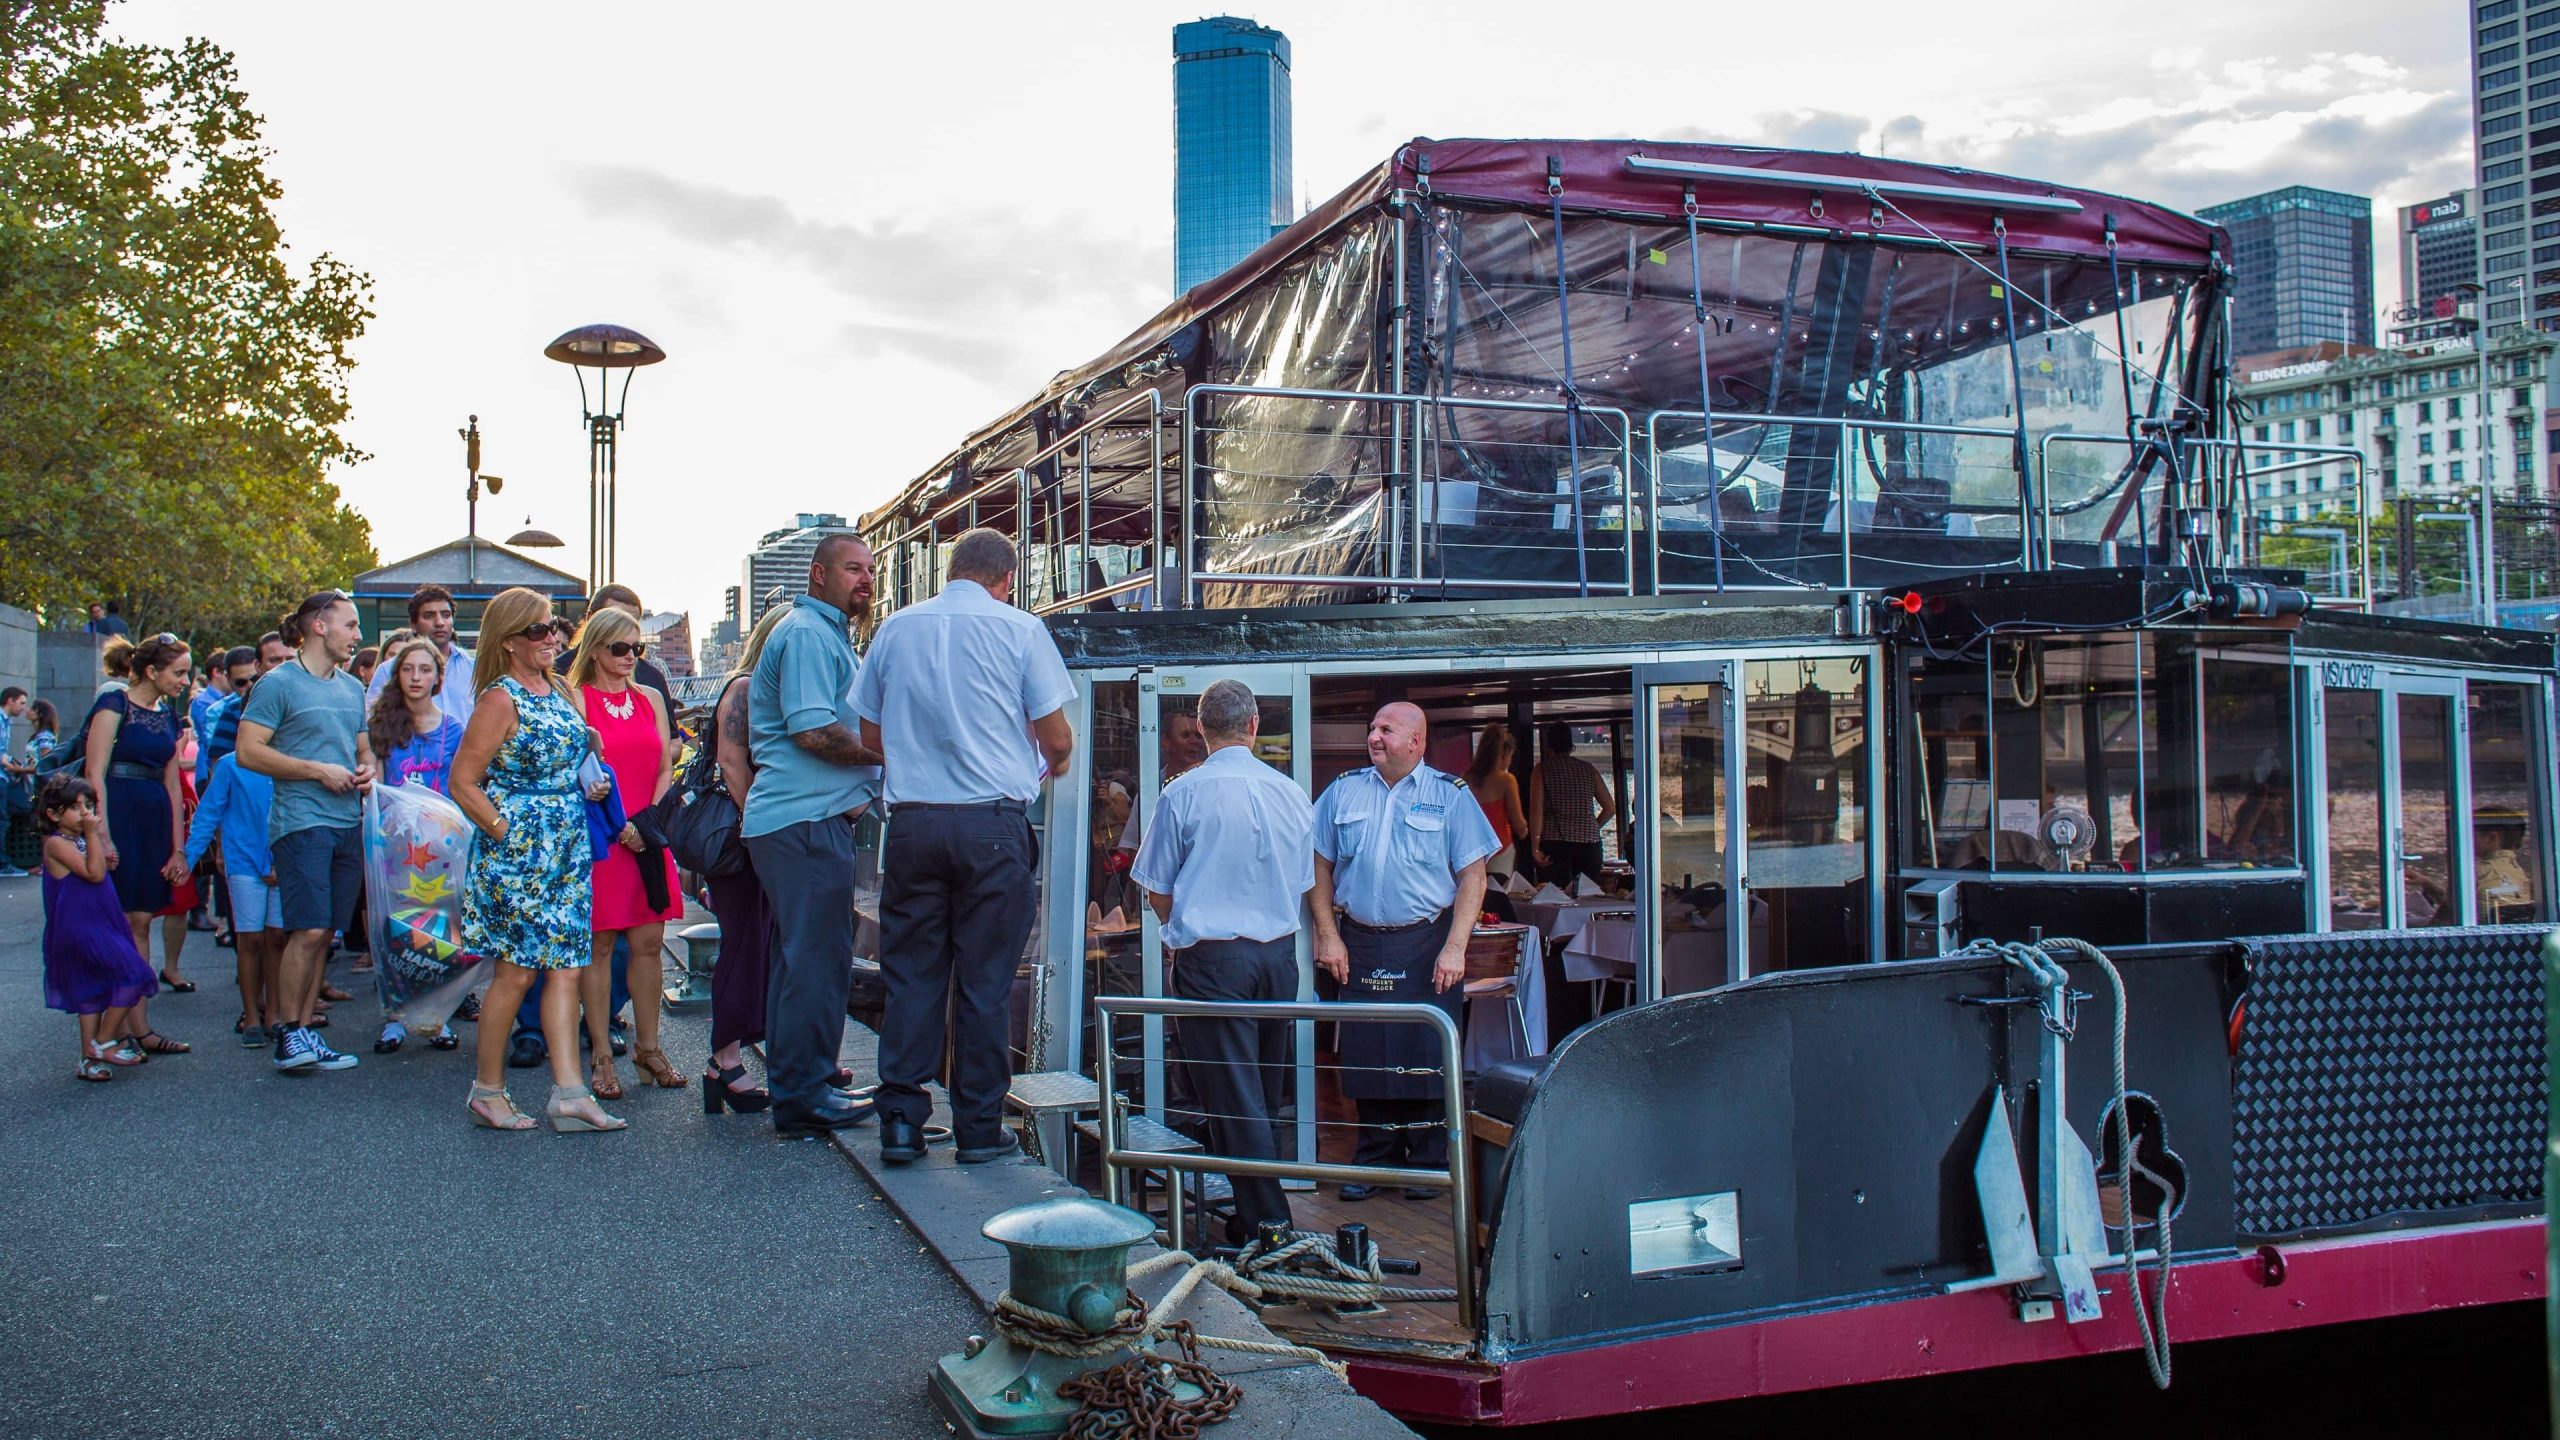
2413 413
2305 263
2439 255
780 561
670 637
1230 143
2515 104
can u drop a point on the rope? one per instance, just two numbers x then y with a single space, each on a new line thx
2150 1312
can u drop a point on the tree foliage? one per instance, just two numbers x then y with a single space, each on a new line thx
171 388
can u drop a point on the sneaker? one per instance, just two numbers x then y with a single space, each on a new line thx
297 1049
12 872
329 1059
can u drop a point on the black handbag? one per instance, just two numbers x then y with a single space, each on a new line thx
697 817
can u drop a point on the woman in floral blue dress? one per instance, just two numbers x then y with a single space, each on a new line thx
526 902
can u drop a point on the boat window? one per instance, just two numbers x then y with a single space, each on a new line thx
2507 823
2248 763
1805 804
1947 766
2071 748
1111 900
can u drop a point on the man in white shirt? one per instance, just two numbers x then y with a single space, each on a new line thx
431 615
964 699
1225 865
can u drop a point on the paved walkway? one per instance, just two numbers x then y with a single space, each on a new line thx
204 1248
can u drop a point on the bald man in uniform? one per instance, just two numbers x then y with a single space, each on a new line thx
1400 853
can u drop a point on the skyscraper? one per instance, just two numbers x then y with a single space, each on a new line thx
2503 58
1230 143
780 560
2439 254
2305 258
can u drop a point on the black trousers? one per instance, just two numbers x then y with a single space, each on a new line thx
1568 858
956 904
1232 1064
1424 1146
807 874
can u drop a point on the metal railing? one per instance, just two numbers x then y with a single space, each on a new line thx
2216 474
1850 460
970 503
1116 1159
1415 497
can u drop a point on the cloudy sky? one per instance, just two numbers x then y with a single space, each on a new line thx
859 231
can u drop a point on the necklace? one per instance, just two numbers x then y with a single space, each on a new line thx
630 702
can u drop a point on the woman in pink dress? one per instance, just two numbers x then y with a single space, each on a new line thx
638 746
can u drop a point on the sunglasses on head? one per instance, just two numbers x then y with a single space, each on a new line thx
623 649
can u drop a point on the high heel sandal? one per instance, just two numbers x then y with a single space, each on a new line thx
564 1119
515 1118
717 1092
604 1080
652 1062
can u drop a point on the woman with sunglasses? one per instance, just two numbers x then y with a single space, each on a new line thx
635 883
525 904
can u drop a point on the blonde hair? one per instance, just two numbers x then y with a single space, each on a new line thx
757 637
509 614
601 628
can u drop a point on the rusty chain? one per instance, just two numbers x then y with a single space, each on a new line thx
1135 1400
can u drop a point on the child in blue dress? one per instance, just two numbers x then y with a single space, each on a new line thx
91 966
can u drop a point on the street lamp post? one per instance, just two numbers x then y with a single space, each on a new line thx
2470 524
471 497
604 349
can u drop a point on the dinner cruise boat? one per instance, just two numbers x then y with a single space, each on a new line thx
1883 533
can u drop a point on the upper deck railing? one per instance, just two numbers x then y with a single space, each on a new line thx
1259 495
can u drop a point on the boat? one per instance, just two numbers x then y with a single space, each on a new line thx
2054 911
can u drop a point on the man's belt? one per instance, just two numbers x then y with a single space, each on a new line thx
1018 807
1350 924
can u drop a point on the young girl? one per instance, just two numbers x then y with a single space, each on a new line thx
92 968
412 736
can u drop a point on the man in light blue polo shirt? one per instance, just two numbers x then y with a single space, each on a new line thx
1225 864
814 777
964 697
1400 849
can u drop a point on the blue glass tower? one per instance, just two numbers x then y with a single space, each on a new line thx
1230 143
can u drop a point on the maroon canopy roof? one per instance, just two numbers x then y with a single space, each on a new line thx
1596 176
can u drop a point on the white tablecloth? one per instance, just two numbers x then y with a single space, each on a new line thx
1564 921
1489 1036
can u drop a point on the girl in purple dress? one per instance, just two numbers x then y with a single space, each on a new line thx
92 968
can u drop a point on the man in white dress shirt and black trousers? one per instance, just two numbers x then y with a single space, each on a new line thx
1400 850
1227 858
965 697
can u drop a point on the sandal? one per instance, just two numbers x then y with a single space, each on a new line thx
177 986
492 1108
443 1039
333 994
363 965
394 1035
652 1061
115 1054
605 1081
159 1044
95 1070
574 1108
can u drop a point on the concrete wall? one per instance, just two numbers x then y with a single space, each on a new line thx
60 666
17 665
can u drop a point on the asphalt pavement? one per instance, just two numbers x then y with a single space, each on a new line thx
202 1247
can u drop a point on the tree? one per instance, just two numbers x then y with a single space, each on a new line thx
171 389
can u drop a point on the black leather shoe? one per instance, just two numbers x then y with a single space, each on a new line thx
790 1120
1011 1144
901 1142
526 1050
1420 1192
1356 1193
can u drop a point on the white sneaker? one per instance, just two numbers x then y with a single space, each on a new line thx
326 1058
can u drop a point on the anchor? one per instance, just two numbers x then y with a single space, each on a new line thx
2048 1258
1068 1257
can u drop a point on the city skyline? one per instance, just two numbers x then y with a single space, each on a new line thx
845 291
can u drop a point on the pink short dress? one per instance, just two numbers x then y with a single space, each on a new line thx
633 751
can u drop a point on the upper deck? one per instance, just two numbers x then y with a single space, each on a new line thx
1569 368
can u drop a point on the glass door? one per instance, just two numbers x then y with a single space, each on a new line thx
2426 858
1168 742
1689 812
2392 749
1805 812
2357 806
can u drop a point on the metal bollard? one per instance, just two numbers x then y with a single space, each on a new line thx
1069 1257
701 953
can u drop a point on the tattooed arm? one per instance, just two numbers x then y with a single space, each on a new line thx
837 745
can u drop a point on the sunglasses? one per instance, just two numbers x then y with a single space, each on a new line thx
539 630
623 649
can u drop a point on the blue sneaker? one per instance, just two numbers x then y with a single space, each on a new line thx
12 872
297 1049
327 1059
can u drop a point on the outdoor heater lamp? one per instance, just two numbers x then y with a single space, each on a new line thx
1813 180
605 349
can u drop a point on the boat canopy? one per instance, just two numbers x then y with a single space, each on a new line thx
1737 351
